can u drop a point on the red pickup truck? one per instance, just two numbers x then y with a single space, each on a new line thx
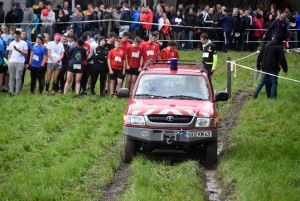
174 109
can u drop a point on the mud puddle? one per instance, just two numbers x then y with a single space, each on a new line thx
227 123
119 183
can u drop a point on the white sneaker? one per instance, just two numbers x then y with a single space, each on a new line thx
287 51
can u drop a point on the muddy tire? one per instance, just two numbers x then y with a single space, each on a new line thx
128 150
211 153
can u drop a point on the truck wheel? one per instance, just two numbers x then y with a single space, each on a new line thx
128 150
211 153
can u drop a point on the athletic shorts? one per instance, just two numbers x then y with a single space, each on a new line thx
76 68
51 67
3 69
117 74
133 71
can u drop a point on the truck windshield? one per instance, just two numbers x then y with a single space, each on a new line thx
172 86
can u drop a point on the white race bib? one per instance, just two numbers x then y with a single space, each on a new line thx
35 57
77 66
205 55
135 54
150 52
118 59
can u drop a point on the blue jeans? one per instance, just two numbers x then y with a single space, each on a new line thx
189 45
28 31
270 82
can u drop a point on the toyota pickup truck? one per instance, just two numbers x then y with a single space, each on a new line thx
172 108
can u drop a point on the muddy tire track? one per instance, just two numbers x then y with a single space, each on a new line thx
227 124
119 183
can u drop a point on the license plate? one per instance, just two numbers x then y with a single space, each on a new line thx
191 134
77 66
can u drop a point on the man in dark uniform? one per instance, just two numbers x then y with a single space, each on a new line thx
209 57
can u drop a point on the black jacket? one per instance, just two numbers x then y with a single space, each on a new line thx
100 58
191 20
125 15
93 26
270 55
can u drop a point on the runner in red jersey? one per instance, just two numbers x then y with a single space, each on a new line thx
124 41
170 50
134 61
116 64
150 49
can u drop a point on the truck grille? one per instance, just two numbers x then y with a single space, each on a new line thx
176 118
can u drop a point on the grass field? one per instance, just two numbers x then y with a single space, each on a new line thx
68 148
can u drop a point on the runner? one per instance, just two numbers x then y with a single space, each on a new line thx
110 45
17 50
150 49
55 56
93 45
76 54
84 78
171 51
134 61
116 64
65 64
100 66
37 62
24 38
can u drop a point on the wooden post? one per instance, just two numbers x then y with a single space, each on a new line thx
229 77
109 27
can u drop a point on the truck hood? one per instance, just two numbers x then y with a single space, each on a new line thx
171 107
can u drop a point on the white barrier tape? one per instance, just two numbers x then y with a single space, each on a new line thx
249 68
245 57
172 25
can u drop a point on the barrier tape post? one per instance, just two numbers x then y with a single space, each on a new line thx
229 77
109 27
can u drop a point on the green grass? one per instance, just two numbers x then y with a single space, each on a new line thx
155 180
262 161
63 147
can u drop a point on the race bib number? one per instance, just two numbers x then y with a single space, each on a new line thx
118 59
205 55
150 52
77 66
135 54
35 57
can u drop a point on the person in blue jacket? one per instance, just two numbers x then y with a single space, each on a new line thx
227 21
135 17
3 69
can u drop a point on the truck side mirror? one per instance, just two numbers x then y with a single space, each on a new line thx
123 93
221 96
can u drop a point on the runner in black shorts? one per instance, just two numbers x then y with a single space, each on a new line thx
76 55
134 61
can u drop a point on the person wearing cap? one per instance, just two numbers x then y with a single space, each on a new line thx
55 55
37 63
134 62
17 50
76 54
267 61
100 66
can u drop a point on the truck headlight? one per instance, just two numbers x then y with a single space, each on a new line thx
134 120
205 122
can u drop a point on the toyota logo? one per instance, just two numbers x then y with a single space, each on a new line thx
170 118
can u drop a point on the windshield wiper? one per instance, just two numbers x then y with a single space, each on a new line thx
185 97
150 96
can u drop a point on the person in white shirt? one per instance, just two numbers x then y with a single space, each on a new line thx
17 50
55 55
47 22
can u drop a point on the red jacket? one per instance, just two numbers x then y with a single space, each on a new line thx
147 17
257 25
